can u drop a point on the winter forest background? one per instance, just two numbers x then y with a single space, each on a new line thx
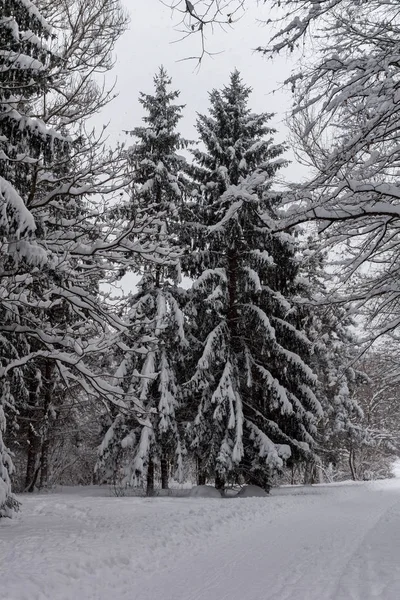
260 344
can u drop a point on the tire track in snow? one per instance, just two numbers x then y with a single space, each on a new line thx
297 556
373 571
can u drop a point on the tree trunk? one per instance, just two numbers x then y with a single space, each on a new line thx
232 312
164 472
293 474
32 469
150 478
48 392
220 482
311 475
44 464
352 465
201 475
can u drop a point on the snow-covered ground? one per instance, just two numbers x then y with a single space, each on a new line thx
337 542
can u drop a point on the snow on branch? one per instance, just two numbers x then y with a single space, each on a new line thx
274 454
211 345
14 215
210 274
280 395
262 319
35 13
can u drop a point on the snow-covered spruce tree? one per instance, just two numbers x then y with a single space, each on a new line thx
345 123
251 393
150 369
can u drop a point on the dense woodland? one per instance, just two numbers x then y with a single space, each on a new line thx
278 361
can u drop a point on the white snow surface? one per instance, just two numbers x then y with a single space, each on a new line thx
336 542
204 491
251 491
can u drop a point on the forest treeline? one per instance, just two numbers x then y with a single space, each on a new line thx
244 353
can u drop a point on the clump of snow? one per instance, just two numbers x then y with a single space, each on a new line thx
11 202
251 491
204 491
396 468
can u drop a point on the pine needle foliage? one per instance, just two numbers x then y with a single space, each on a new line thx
150 369
251 392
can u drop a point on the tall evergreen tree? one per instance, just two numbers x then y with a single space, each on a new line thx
252 390
149 372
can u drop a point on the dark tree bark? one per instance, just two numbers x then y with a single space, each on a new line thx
201 479
164 472
201 475
352 464
150 478
293 477
44 464
219 482
310 473
32 464
232 313
44 457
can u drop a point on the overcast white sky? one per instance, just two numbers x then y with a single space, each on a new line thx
149 43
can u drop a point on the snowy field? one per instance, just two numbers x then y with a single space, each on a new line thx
326 542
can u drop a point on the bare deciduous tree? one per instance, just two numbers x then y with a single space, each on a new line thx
201 16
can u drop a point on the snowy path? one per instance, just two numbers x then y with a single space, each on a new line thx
320 543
